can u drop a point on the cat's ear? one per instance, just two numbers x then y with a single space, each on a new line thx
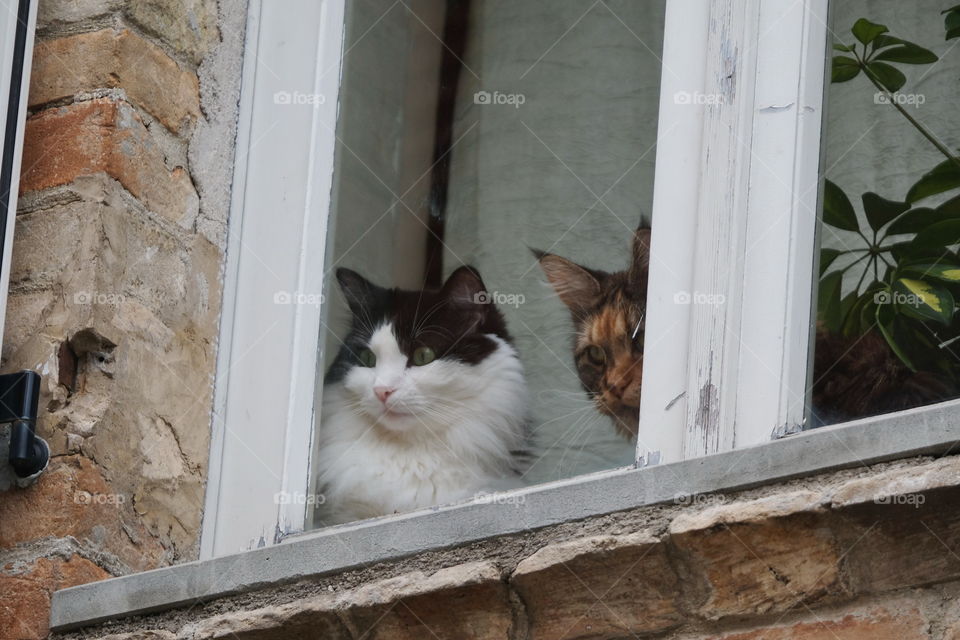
578 288
466 291
640 262
359 292
464 287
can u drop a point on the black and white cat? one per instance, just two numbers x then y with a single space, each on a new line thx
424 404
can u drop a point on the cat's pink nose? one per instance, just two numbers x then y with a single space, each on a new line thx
383 393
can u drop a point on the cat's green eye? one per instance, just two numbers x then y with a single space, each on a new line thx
423 355
596 355
367 358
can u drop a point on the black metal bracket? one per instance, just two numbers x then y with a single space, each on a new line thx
19 402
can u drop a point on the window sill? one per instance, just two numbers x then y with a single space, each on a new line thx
929 431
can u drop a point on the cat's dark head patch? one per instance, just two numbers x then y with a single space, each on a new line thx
454 321
609 315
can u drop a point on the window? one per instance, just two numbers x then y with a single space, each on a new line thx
734 206
466 136
886 310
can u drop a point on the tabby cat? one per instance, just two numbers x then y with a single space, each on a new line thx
852 377
424 404
608 311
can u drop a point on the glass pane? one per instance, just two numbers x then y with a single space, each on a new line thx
470 133
890 274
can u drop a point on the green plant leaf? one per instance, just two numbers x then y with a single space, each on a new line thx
909 253
843 69
953 33
952 20
950 206
843 47
880 211
866 31
837 210
938 271
945 233
886 40
907 53
852 324
867 314
916 220
829 305
827 256
943 177
847 303
884 317
889 77
923 300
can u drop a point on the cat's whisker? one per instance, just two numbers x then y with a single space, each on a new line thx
561 417
586 417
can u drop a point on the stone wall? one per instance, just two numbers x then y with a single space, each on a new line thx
865 554
115 288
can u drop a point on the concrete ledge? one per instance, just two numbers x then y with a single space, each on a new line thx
927 431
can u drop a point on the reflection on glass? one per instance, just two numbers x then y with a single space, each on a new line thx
889 270
470 133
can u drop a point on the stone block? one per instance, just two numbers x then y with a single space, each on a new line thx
187 26
603 586
67 66
105 135
760 556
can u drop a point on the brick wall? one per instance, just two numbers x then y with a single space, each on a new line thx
115 289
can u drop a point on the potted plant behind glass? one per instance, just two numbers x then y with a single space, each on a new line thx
887 343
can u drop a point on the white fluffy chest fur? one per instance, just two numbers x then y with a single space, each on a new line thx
451 440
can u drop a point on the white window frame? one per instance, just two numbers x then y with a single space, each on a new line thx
732 371
737 185
18 21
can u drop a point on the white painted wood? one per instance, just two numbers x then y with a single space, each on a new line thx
266 372
663 414
716 293
778 275
738 224
13 13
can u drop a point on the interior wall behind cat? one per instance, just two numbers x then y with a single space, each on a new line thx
385 134
557 152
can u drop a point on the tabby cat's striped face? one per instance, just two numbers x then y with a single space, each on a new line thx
609 358
608 311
